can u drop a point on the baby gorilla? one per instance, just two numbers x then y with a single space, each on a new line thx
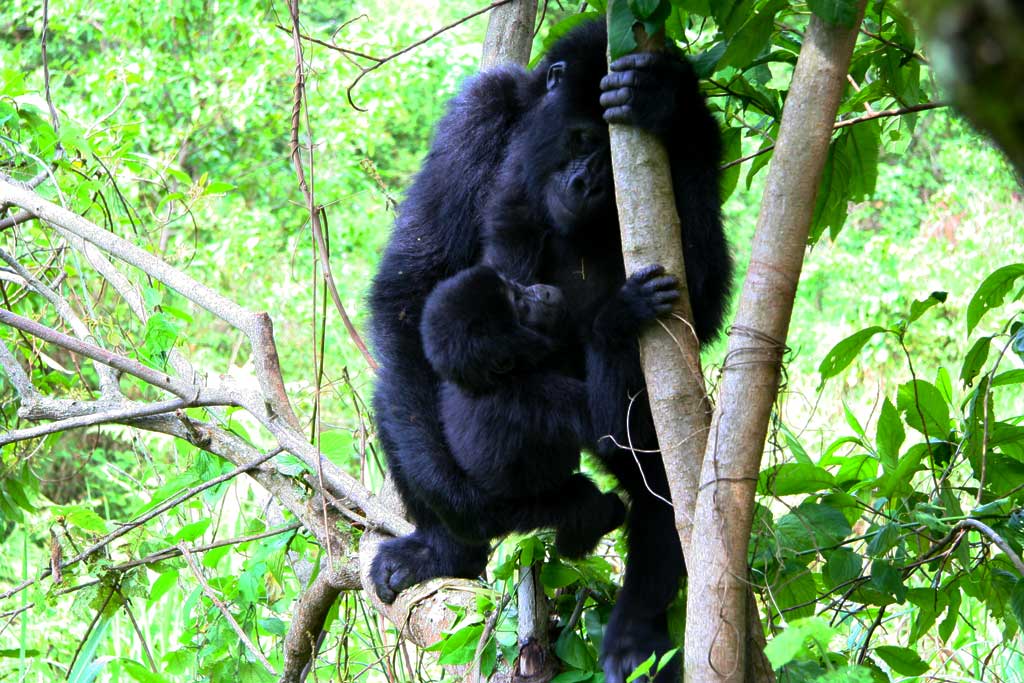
514 422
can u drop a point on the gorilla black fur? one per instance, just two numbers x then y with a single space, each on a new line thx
519 177
514 423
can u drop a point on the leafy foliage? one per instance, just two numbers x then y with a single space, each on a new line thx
173 131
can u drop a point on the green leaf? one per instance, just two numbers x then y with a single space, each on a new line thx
889 436
665 659
843 353
792 477
141 673
163 583
1007 378
812 525
841 565
620 29
918 308
706 63
923 408
974 361
902 660
849 176
642 668
730 15
1017 601
642 9
159 339
840 12
573 676
81 517
190 532
786 646
798 451
887 579
460 647
952 613
571 649
732 149
556 574
992 293
885 540
750 41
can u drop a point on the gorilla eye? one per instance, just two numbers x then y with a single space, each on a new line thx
583 140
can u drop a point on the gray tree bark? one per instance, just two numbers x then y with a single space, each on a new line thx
716 622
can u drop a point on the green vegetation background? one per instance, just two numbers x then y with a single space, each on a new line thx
189 104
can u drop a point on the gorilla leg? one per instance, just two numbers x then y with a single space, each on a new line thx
577 510
639 625
427 553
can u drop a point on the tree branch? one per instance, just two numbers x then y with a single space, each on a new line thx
716 625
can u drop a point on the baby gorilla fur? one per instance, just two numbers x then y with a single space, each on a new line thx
515 423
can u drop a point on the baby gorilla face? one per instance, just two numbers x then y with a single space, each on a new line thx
538 307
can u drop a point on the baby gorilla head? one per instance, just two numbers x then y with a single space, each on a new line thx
478 327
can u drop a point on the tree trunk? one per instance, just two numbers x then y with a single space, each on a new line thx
715 623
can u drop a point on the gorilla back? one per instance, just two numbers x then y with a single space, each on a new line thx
518 176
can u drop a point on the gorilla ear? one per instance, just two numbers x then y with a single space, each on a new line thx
555 72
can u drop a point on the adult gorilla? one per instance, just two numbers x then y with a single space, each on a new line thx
519 177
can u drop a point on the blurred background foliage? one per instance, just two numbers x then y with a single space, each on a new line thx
174 122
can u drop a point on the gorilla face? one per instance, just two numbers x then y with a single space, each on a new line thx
581 188
562 154
539 307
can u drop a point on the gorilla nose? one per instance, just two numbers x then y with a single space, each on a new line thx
549 295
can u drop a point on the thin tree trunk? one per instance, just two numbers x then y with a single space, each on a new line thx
716 623
669 352
509 36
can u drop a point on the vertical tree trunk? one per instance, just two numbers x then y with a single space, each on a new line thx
509 36
716 621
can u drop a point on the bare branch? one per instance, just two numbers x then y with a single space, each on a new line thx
108 378
309 616
189 392
256 326
225 612
124 412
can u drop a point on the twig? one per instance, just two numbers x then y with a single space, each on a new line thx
130 410
473 671
298 95
191 393
905 50
222 606
867 636
381 61
174 501
108 378
849 122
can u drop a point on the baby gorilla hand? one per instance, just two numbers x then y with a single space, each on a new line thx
646 295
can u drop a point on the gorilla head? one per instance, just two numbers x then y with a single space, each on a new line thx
477 327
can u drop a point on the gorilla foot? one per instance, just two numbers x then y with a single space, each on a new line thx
397 566
628 643
404 562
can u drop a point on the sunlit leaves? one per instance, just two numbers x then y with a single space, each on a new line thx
992 293
841 12
849 175
843 353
